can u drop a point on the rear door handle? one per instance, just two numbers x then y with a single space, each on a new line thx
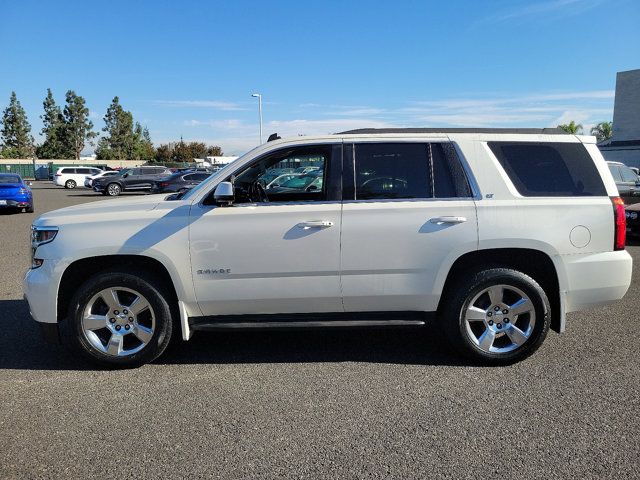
316 224
440 220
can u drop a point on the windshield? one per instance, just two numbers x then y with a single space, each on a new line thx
10 179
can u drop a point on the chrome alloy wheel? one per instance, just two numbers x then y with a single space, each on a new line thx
113 189
499 319
118 321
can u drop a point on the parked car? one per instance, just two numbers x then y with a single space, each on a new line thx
304 182
130 180
88 181
626 179
179 182
70 177
632 215
493 234
304 170
15 192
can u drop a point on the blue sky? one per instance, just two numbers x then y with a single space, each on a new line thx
188 68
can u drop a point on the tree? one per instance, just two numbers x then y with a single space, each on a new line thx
164 153
571 127
143 145
181 152
214 151
119 142
15 136
55 144
78 127
197 149
603 131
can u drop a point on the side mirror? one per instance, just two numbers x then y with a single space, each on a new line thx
223 193
125 175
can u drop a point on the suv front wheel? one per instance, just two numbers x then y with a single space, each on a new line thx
118 319
497 316
113 189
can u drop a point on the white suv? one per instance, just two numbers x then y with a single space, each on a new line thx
71 177
494 234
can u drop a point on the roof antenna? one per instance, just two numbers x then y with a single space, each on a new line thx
272 137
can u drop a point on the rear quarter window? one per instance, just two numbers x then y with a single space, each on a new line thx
68 170
549 169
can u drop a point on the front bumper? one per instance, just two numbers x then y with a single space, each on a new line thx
40 289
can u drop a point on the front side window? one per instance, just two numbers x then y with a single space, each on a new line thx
628 175
289 176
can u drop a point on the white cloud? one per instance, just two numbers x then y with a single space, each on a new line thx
551 9
213 104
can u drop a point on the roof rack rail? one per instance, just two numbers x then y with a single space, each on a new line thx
371 131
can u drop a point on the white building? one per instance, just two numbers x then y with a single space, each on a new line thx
624 145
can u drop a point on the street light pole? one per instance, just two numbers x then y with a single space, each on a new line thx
259 97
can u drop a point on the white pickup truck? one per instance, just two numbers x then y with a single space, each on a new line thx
494 234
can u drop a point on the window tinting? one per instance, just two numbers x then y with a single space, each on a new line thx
83 171
449 179
409 170
392 170
549 169
68 170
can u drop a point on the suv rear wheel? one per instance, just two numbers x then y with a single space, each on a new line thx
118 319
498 316
70 184
113 189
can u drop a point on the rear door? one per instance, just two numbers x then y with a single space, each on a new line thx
410 213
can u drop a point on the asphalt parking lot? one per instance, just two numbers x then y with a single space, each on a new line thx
346 404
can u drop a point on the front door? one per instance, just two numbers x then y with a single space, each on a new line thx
273 250
411 212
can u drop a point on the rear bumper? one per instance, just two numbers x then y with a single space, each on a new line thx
15 203
596 279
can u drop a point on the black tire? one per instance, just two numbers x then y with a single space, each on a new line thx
466 289
113 189
70 184
30 208
73 336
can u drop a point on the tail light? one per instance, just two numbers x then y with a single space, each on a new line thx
58 175
164 184
620 224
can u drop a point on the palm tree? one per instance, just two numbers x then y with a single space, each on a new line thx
572 127
603 131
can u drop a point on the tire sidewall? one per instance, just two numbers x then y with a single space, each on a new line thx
70 184
482 280
71 327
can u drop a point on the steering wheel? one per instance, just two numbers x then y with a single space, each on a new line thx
257 190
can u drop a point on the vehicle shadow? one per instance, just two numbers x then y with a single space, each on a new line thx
23 347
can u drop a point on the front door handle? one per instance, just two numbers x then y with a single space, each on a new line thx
441 220
316 224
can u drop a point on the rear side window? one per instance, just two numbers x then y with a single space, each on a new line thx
549 169
615 171
408 170
83 171
68 170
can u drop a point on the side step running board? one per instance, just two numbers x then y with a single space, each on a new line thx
306 324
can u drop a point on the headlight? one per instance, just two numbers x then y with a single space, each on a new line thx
40 236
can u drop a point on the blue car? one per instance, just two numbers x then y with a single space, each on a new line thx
15 193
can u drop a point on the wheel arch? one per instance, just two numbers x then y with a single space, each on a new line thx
78 271
535 263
